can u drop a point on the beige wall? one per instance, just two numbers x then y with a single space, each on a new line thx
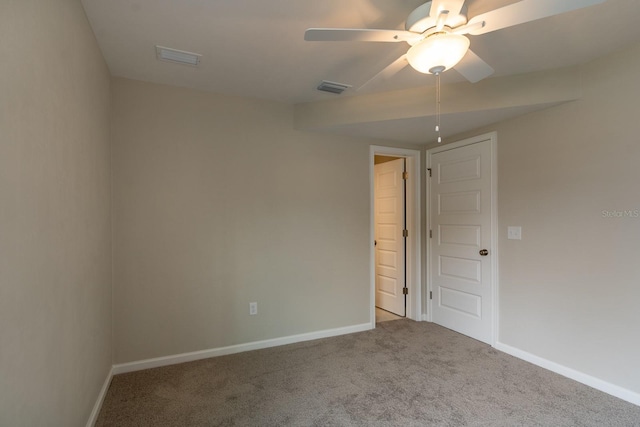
218 202
55 250
569 291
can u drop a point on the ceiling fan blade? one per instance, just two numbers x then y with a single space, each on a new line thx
473 68
524 11
468 29
358 35
388 72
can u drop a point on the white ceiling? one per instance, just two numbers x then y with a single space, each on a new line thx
414 129
255 48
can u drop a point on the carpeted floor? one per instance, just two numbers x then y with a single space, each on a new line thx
403 373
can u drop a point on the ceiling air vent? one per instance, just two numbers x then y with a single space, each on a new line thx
333 87
177 56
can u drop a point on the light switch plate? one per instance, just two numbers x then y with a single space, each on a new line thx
514 233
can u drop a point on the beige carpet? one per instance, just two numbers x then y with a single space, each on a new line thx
403 373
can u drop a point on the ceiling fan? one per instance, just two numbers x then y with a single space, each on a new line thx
436 32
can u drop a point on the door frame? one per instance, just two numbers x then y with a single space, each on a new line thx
492 137
414 298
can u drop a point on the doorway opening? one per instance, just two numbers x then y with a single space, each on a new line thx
395 244
390 234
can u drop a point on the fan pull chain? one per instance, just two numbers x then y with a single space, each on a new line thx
438 107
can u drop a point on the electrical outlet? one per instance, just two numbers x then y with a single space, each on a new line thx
514 233
253 308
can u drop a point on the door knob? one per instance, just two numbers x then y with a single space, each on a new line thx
484 252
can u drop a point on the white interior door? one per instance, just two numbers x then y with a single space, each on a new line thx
461 203
390 244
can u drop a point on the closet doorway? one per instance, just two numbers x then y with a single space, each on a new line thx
395 232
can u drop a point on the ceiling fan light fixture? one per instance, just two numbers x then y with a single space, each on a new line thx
438 52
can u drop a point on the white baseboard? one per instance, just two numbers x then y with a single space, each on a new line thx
98 405
239 348
598 384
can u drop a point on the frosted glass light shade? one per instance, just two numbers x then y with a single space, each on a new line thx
437 51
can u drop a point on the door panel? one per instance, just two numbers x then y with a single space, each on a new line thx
460 216
460 268
463 302
462 235
459 203
390 247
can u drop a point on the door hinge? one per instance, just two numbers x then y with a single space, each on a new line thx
431 234
429 169
405 233
405 175
430 295
405 291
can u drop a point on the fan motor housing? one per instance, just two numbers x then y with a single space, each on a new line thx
419 20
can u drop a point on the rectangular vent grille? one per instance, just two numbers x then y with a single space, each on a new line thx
333 87
177 56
